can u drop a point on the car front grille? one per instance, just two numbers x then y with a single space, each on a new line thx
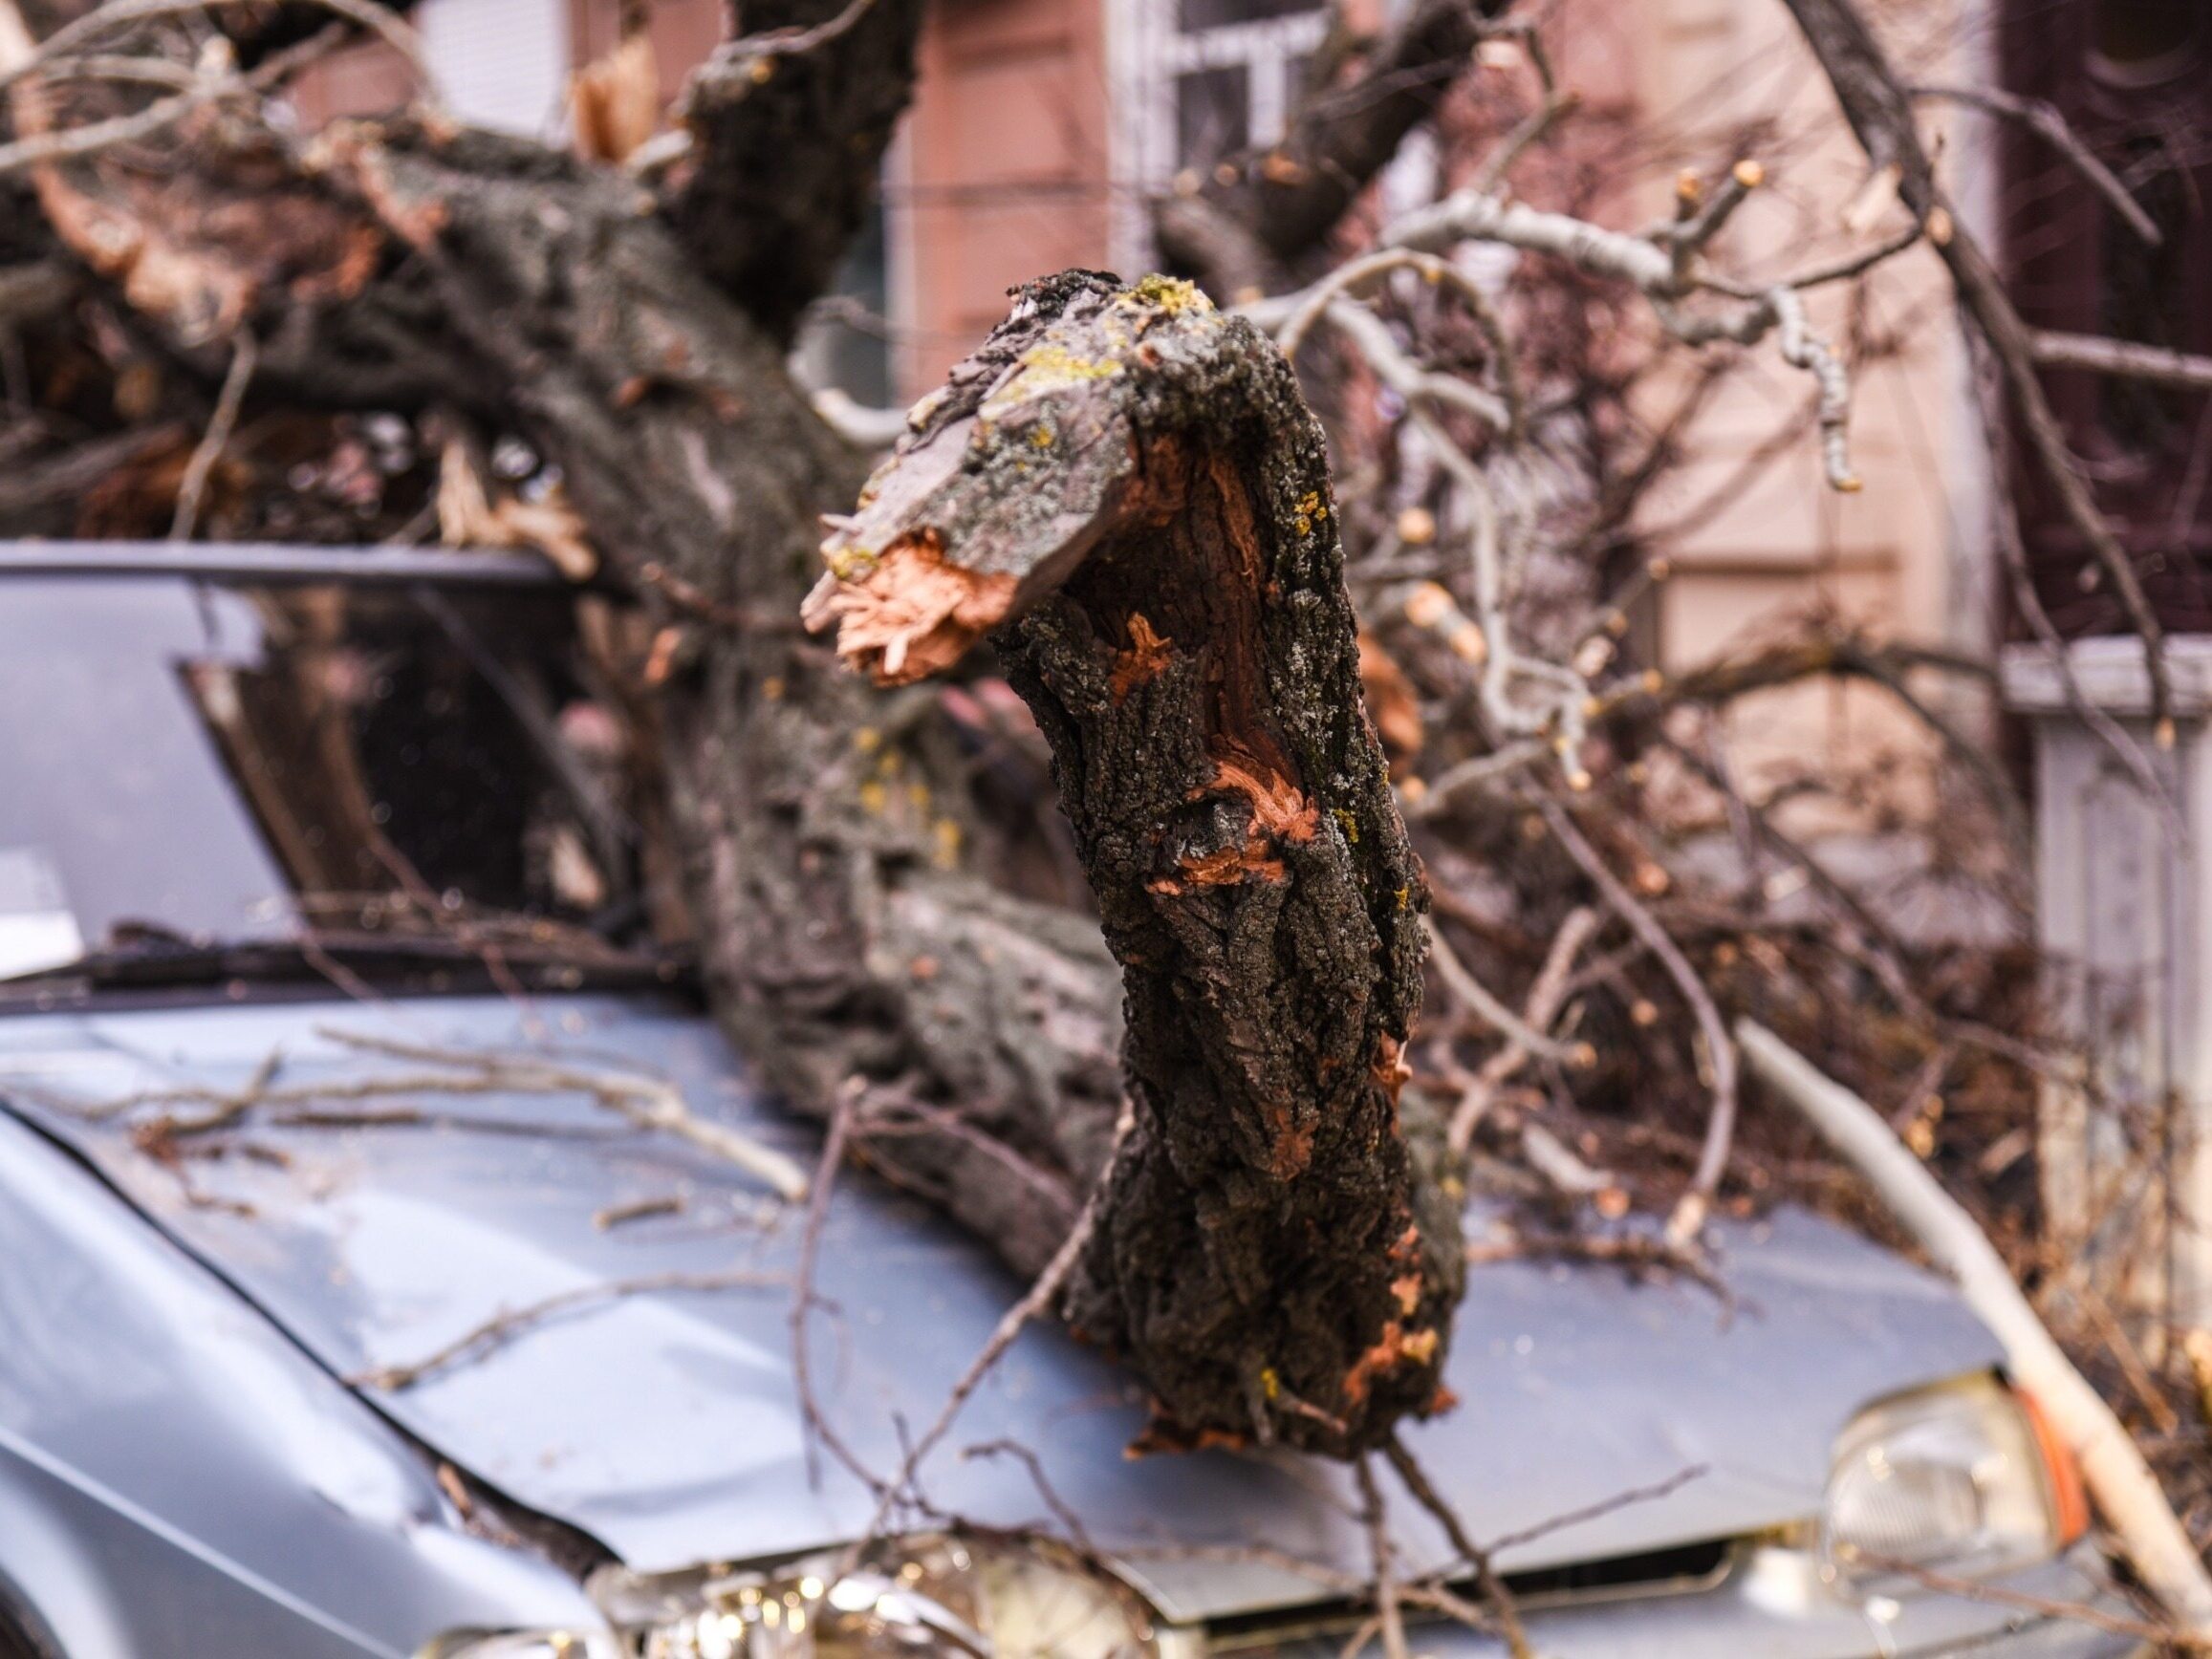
1684 1569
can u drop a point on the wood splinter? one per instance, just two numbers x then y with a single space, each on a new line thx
1123 487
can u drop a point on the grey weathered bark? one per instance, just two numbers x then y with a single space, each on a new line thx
1126 485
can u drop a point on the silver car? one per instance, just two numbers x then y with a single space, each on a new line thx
355 1299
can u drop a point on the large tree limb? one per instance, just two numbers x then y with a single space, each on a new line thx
787 126
834 854
835 860
2119 1482
1126 487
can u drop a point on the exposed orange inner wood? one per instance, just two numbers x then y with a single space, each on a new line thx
1148 654
913 615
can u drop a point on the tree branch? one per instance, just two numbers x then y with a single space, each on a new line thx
1880 111
1288 201
2051 126
788 127
2112 1468
2184 371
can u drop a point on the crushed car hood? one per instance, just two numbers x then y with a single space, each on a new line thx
655 1405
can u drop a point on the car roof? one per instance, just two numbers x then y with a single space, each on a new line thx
277 562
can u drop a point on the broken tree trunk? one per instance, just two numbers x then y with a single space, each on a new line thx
1124 486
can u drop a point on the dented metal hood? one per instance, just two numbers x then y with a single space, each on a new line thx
656 1409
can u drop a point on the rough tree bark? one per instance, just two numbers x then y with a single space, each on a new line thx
1128 487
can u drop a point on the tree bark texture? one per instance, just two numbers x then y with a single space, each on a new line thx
1126 487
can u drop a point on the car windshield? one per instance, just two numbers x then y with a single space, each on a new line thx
194 761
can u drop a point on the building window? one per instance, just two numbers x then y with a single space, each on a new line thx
502 64
1218 77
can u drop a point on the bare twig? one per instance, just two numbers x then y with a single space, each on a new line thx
1880 113
1039 1297
1635 1254
2012 552
220 425
379 20
647 1102
1495 1595
1620 1500
1476 999
815 1422
39 149
1690 1211
2127 359
2047 125
2161 1636
505 1326
792 42
1545 996
1388 1615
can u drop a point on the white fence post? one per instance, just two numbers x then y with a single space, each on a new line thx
2124 917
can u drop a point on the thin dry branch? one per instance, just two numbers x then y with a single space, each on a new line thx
1035 1300
1545 996
387 25
1496 1597
1720 1052
225 420
2047 124
503 1328
1477 998
2126 359
1880 111
647 1102
813 1419
1388 1614
2112 1467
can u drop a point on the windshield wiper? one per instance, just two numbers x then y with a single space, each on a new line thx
161 960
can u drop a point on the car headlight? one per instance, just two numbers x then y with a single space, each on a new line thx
1959 1480
923 1598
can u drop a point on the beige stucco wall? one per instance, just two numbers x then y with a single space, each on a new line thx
1722 78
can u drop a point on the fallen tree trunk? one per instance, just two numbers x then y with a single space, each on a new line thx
844 875
1125 488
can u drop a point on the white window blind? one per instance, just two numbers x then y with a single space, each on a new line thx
501 63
